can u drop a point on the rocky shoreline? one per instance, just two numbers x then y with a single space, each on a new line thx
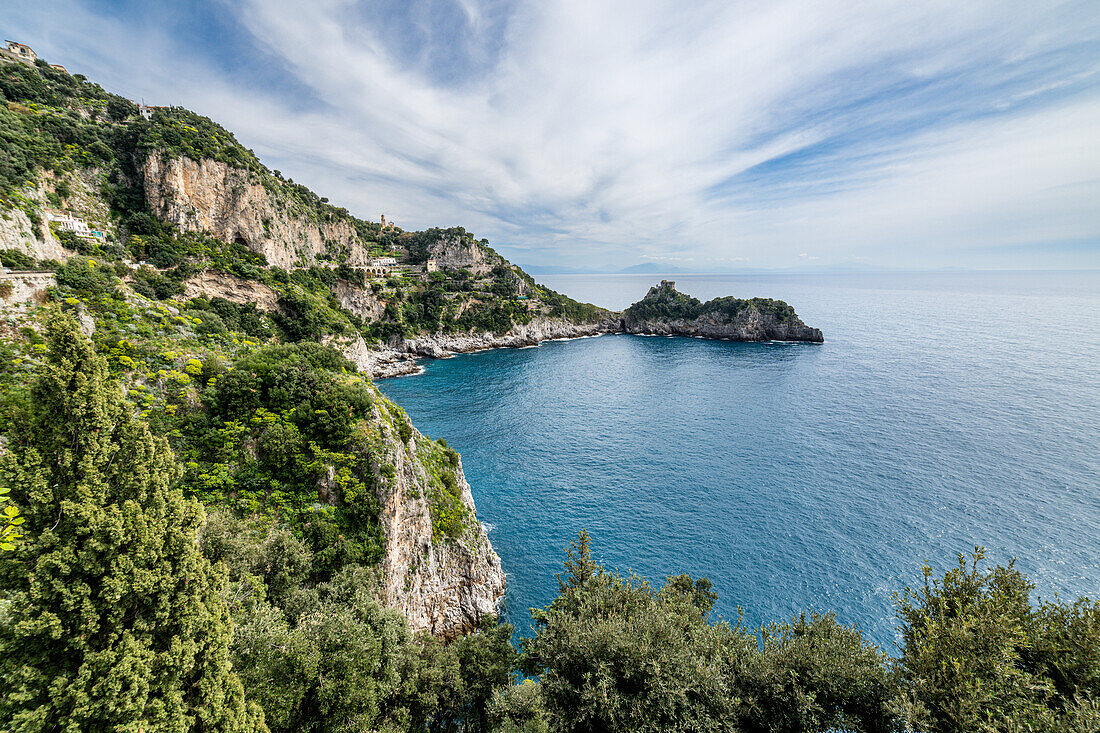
383 362
663 312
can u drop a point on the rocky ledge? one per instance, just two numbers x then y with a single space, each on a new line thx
528 334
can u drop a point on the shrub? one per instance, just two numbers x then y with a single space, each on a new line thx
16 260
87 277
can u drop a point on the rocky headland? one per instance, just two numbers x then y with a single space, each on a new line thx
665 311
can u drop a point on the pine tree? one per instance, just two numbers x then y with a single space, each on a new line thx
115 621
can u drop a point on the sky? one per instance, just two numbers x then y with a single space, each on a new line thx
593 134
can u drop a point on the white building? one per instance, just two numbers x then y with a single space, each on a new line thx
66 222
431 266
384 262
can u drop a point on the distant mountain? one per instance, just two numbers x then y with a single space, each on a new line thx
650 268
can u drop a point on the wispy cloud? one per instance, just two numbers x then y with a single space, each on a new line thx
895 133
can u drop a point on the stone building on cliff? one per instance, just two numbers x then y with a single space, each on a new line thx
20 52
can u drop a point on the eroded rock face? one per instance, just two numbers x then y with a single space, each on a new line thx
209 196
360 301
212 284
443 586
458 253
379 362
25 286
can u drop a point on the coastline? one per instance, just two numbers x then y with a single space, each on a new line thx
386 362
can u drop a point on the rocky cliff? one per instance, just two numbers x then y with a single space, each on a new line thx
400 359
452 252
444 584
76 191
529 334
233 205
214 284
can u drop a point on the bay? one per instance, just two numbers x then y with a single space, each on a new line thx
943 411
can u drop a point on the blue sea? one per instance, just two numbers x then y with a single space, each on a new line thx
943 411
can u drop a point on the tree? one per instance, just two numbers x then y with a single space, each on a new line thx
115 620
977 657
614 654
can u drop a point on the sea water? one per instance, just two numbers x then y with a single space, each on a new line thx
944 411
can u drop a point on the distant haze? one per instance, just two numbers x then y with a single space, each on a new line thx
703 136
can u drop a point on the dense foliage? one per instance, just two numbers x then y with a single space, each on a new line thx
665 302
976 655
289 432
330 657
115 619
614 654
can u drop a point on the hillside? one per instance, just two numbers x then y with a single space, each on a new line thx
220 350
88 172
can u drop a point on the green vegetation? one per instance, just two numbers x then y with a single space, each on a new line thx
329 657
267 433
613 653
664 302
10 519
114 618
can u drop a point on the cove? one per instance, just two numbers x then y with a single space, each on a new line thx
793 475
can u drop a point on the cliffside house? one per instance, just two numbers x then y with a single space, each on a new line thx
384 261
20 52
59 67
431 266
146 110
66 222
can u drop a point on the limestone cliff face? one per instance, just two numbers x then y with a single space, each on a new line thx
463 253
213 284
360 301
24 287
210 196
18 232
443 585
